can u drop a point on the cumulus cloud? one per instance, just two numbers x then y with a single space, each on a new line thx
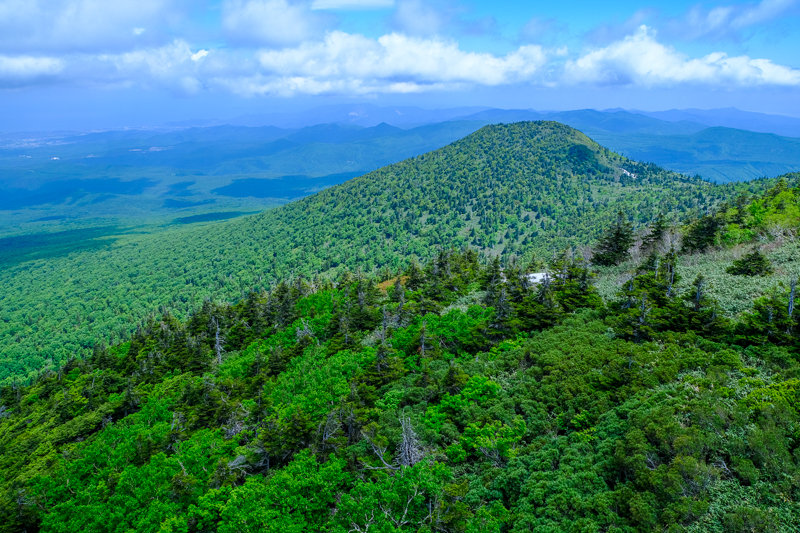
61 26
286 47
640 59
271 22
345 63
392 63
174 66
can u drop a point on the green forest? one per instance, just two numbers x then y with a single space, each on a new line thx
517 190
455 388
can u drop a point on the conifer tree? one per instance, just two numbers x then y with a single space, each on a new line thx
493 281
615 244
416 277
656 233
702 234
753 264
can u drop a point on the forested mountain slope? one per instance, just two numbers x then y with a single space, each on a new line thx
721 154
453 397
514 189
66 181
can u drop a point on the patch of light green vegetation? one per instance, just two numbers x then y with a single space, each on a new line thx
734 294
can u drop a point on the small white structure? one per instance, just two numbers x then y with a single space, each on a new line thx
534 278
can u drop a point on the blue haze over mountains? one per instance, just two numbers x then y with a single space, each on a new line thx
180 171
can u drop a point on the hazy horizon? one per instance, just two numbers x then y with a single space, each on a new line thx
304 117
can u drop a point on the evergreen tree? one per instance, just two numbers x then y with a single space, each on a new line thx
416 277
656 232
493 281
773 319
753 264
615 244
702 234
572 284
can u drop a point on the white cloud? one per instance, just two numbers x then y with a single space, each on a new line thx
174 66
23 70
288 86
285 47
270 22
351 4
61 26
641 60
392 63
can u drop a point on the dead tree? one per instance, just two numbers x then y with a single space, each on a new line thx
423 339
306 332
410 450
219 342
790 308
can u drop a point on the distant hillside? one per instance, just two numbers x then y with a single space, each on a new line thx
732 118
58 182
140 176
718 154
506 188
767 223
534 187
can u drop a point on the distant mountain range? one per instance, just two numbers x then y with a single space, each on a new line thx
732 118
156 176
364 115
367 115
140 176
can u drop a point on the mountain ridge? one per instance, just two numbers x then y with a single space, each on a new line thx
189 171
514 189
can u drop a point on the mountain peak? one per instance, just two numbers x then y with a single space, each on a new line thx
512 188
534 129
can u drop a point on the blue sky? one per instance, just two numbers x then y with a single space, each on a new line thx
80 64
